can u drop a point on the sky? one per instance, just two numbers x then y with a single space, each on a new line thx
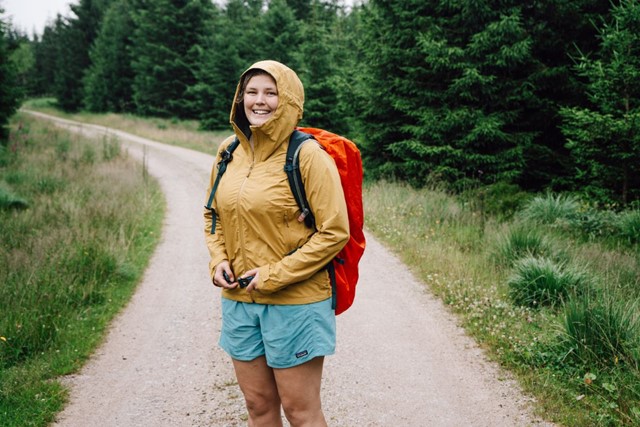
32 15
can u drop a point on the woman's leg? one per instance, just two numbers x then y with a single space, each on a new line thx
258 385
299 389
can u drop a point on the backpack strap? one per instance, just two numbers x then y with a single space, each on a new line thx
292 169
226 157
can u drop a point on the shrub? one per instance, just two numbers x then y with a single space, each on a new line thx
551 209
541 282
519 242
9 200
602 330
502 200
628 224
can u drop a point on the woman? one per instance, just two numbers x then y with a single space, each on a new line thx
278 327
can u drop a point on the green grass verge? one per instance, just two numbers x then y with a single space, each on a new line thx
577 348
72 253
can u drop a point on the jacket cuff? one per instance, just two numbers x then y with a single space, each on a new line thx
265 284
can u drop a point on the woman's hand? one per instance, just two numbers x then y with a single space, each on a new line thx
254 282
220 281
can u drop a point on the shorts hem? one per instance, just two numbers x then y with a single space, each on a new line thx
300 361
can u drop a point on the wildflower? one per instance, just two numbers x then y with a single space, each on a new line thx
3 339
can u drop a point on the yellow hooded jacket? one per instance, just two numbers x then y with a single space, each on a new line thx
256 224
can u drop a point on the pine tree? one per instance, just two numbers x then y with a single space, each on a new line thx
317 55
467 88
45 62
226 52
281 34
605 138
165 49
9 96
75 36
109 80
390 53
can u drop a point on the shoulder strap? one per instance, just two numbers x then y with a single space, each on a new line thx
292 168
226 157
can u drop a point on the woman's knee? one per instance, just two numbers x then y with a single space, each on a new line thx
260 403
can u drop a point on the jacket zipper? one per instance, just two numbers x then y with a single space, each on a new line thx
241 229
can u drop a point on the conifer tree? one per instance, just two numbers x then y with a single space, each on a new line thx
318 69
8 93
467 88
228 49
281 34
108 81
75 36
165 45
45 55
605 138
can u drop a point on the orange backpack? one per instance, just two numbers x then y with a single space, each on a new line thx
343 269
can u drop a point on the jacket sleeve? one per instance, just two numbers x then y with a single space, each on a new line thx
326 200
215 242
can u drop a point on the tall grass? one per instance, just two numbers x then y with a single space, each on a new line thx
539 281
69 260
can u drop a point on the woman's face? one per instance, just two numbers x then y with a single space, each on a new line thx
260 99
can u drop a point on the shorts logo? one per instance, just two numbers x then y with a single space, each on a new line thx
301 354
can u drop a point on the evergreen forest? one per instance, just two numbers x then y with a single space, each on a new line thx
539 95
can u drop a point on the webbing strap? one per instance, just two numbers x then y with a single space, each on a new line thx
292 168
227 156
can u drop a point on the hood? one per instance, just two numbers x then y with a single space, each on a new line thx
288 113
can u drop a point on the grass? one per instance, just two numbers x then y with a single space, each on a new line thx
73 249
580 363
578 356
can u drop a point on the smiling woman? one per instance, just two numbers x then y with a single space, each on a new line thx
260 97
279 327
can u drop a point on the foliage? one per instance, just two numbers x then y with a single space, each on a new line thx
74 37
164 50
602 331
225 53
521 241
68 262
628 224
465 94
8 85
537 282
551 209
109 80
466 89
605 138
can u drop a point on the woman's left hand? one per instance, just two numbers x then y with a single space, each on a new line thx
253 284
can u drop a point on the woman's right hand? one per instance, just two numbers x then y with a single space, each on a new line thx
220 281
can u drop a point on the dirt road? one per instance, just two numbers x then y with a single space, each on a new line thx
401 360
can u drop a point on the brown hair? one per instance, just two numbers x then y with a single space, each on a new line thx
245 80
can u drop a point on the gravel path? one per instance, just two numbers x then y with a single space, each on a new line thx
401 359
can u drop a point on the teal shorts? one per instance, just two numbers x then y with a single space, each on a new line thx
287 335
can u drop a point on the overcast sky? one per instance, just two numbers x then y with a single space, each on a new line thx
32 15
